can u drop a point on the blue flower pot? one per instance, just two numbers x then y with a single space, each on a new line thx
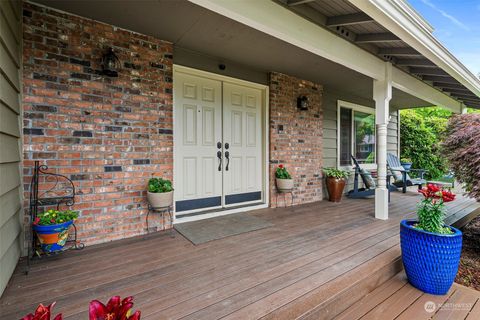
52 238
407 165
431 260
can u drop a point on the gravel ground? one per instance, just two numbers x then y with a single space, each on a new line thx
469 270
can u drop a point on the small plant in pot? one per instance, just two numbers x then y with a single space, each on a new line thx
51 228
160 193
335 181
406 163
430 249
284 179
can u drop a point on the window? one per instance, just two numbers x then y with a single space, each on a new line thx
356 134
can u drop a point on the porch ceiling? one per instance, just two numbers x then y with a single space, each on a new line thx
194 29
349 22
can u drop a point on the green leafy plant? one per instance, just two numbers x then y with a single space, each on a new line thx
282 173
431 210
51 216
336 173
159 185
406 160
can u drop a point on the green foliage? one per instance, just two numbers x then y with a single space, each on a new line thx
430 217
51 217
282 173
159 185
421 133
336 173
406 160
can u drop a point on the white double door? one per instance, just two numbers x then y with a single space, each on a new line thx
218 143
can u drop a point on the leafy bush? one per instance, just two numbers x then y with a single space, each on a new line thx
462 148
51 217
159 185
336 173
282 173
421 133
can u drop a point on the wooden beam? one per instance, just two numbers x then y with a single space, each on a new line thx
460 92
446 85
467 97
292 3
429 71
348 19
440 79
415 62
376 37
402 51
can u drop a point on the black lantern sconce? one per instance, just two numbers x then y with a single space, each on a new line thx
110 63
302 103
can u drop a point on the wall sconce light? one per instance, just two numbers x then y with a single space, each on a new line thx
302 103
110 63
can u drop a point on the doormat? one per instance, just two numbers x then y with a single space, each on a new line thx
206 230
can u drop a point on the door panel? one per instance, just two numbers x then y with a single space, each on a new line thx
198 123
242 131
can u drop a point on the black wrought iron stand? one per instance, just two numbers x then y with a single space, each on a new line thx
49 189
162 210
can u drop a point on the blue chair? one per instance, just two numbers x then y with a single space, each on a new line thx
368 182
401 176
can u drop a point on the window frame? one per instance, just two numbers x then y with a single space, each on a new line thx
354 107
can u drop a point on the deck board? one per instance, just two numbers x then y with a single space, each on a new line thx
311 253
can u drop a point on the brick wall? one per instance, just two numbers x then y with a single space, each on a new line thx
296 137
109 135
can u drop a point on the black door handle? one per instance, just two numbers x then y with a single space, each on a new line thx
227 155
219 145
219 156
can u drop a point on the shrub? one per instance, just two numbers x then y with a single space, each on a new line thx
462 148
420 141
159 185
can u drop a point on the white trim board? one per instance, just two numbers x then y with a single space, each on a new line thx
265 148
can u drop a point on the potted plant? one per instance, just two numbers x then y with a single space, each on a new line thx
51 228
284 179
160 193
336 180
406 163
430 249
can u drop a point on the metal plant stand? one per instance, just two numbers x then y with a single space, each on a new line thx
284 193
58 191
162 210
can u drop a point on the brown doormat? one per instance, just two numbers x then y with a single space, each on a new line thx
206 230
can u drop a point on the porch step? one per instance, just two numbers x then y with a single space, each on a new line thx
337 295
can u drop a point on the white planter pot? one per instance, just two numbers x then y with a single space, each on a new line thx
160 200
284 185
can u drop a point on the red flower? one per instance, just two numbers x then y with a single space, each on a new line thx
37 220
433 192
115 309
52 220
43 313
280 166
447 196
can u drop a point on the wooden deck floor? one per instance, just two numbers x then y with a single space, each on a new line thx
397 299
314 262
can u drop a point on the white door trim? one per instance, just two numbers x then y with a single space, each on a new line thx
265 148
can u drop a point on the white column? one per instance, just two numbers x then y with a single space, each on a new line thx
382 93
464 109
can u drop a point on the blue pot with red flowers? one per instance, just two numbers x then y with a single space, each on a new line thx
431 250
51 228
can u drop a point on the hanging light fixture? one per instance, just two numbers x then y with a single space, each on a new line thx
110 63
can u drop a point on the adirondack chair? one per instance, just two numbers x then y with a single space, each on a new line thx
401 176
368 182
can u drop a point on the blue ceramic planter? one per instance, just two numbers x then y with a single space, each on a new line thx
52 238
406 165
431 260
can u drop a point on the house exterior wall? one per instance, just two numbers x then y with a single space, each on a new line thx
10 181
296 137
109 135
330 124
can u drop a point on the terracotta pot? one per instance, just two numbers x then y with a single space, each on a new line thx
160 200
335 188
284 185
53 237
